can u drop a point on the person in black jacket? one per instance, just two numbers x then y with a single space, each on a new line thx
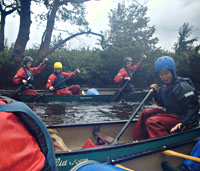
178 97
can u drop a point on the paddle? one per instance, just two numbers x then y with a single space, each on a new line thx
185 156
133 116
19 89
41 95
118 94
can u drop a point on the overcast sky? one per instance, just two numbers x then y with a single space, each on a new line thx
166 15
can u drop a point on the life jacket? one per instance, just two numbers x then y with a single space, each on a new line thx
35 126
29 84
173 104
60 78
129 87
129 72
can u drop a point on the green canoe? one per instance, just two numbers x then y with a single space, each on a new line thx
105 96
142 155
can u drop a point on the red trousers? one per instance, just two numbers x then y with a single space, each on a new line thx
71 90
154 122
30 92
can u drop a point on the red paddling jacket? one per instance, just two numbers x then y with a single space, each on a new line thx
55 79
24 73
125 72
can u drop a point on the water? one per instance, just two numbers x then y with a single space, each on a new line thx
76 113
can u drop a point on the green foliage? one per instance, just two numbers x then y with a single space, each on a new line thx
184 45
129 35
187 54
88 61
7 68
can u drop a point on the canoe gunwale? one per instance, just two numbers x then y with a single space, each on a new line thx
88 124
102 98
79 151
145 153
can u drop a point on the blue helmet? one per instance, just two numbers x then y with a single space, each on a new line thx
92 91
165 63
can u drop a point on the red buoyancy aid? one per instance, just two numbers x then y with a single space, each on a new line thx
19 149
22 148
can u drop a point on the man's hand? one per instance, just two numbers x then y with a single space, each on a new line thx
77 70
154 87
45 60
176 127
144 57
51 88
24 82
127 78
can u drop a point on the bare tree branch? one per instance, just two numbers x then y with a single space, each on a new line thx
60 43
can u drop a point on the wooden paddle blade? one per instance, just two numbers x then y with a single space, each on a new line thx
177 154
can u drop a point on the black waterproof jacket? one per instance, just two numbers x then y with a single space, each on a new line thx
180 98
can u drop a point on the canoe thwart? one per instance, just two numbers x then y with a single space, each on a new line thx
122 167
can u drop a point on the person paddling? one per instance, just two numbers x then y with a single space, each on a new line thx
178 98
24 140
57 77
25 75
126 73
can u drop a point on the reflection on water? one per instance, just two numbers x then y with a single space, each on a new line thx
71 113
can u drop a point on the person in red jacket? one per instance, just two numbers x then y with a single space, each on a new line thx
126 73
24 75
57 77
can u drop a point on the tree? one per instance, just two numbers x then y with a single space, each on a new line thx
187 54
184 45
6 8
24 28
71 11
129 35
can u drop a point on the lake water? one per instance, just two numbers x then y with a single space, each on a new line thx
71 113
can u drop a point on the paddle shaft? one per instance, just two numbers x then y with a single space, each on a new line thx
129 121
117 95
38 97
180 155
65 79
19 89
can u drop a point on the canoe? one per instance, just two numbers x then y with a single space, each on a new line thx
141 155
105 96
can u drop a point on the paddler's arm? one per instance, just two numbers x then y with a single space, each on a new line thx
156 95
19 77
43 63
139 64
120 76
187 96
75 73
52 78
